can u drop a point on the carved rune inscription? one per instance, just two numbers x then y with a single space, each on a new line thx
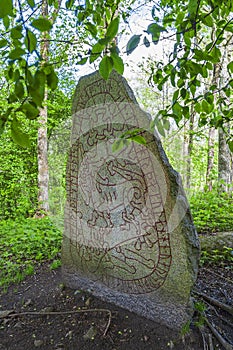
115 217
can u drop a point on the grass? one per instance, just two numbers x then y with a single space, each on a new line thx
24 244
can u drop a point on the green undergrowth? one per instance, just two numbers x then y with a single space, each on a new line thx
221 257
25 243
212 211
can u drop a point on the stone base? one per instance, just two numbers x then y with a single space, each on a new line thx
150 306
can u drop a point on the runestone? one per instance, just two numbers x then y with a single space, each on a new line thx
128 237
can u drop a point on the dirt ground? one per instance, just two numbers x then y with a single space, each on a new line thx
85 322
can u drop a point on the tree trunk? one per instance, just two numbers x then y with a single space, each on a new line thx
42 144
224 162
211 138
210 159
224 157
185 154
190 148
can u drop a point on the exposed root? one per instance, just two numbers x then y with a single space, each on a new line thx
223 306
222 341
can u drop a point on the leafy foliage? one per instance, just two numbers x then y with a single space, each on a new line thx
18 177
24 244
201 32
217 257
212 211
18 168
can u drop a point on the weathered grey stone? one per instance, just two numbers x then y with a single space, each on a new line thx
217 240
129 236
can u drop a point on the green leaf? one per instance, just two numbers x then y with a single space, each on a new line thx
92 29
31 3
209 65
104 41
37 88
205 106
118 63
173 76
6 22
19 89
146 42
229 27
230 67
52 80
166 124
18 135
113 28
197 107
132 43
139 139
16 33
183 93
96 51
30 110
30 41
106 66
3 43
12 98
155 30
47 69
230 144
160 127
175 96
42 24
69 4
6 8
180 83
216 55
208 20
193 88
82 61
177 109
39 78
16 53
192 7
36 96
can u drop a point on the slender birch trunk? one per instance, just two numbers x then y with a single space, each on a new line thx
210 158
42 143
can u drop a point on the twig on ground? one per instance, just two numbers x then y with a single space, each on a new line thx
217 274
211 345
223 306
205 346
38 313
221 340
211 307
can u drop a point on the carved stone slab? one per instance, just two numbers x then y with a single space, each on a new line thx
129 236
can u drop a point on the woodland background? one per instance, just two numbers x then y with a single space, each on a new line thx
184 82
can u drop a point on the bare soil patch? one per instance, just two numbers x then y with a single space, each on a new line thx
100 325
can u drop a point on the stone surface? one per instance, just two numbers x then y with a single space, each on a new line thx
217 240
129 236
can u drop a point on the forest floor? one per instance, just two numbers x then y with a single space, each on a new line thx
93 324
